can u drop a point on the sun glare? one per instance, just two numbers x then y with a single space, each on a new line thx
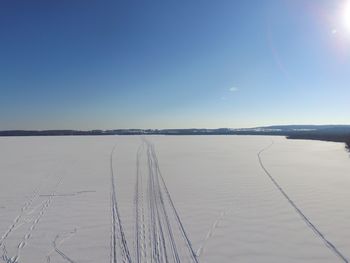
347 15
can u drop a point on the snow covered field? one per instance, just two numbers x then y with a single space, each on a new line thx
173 199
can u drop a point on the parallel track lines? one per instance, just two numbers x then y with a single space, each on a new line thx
155 231
154 234
166 218
163 187
138 230
156 195
193 255
117 228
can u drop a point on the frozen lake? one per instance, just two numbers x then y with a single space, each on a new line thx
173 199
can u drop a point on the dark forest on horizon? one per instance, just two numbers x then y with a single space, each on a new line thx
334 133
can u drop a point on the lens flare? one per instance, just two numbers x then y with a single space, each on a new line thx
347 15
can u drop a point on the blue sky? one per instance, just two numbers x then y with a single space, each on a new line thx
173 64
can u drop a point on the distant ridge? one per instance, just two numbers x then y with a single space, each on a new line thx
336 133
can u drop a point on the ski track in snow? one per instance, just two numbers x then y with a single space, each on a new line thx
163 205
120 251
159 233
313 227
154 231
155 239
55 245
140 240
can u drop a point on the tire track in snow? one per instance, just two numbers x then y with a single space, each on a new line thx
163 187
118 235
140 245
161 243
153 232
155 246
328 243
137 216
163 211
167 223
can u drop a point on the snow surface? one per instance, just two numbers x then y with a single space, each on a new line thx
173 199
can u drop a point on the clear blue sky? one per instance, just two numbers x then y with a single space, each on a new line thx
84 64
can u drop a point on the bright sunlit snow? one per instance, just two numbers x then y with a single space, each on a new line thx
175 199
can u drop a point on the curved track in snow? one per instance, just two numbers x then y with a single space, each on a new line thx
328 243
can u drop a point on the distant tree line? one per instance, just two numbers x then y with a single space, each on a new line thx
330 134
335 133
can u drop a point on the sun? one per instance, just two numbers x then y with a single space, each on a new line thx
347 15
